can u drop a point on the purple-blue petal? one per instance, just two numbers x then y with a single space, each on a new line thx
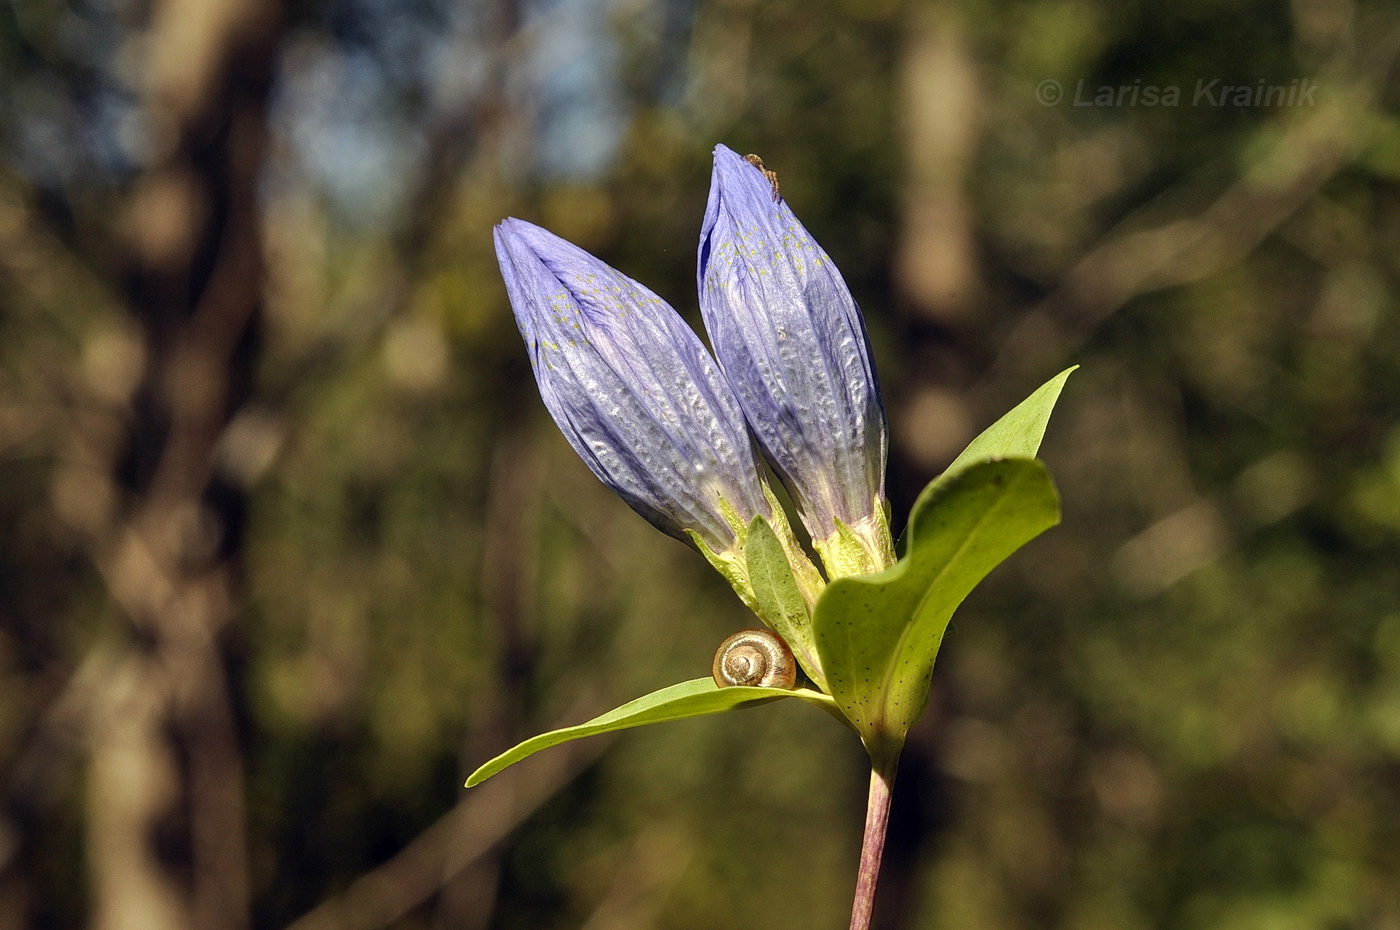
793 345
631 387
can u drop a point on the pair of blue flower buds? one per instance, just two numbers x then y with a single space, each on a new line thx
672 432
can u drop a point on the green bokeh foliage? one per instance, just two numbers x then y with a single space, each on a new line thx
1179 709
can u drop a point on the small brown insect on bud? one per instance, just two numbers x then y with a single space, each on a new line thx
771 176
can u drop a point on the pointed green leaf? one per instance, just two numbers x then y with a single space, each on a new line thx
1015 435
695 698
780 601
877 635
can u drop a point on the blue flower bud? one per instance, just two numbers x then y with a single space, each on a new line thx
793 346
632 389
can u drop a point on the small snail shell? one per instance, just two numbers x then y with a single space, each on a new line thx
754 657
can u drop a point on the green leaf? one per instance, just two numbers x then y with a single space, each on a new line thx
878 635
1015 435
780 601
695 698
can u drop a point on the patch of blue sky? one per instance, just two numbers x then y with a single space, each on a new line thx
575 66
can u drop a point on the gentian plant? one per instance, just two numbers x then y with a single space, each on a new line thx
680 436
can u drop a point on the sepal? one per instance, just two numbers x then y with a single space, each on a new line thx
782 602
859 549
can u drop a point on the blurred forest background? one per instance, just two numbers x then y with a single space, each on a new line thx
288 544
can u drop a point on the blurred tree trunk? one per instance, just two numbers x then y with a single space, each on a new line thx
166 832
937 270
939 120
939 282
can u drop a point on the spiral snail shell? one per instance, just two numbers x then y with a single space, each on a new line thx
757 658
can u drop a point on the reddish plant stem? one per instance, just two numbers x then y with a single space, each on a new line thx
877 817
